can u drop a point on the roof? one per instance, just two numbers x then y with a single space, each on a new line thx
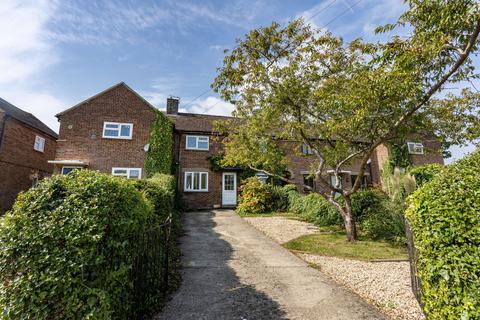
26 118
195 122
105 91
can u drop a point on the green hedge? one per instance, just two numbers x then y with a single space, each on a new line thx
259 197
314 208
445 219
63 252
426 173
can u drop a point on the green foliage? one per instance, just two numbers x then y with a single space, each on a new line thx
399 155
426 173
367 201
215 161
159 156
315 209
445 220
259 197
385 222
64 253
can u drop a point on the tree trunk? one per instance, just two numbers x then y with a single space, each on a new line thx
350 226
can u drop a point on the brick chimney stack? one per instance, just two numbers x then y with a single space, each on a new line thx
172 105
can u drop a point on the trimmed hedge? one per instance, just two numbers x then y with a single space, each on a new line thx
63 253
314 208
425 173
445 219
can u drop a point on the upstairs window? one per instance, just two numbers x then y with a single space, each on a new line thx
197 142
39 144
114 130
306 149
129 173
415 148
68 169
196 181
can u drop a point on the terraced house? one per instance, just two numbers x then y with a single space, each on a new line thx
109 132
26 144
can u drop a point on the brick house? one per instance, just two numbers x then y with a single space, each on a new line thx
26 144
109 132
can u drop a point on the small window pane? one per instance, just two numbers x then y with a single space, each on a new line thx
134 174
120 171
191 142
111 126
125 131
196 181
189 181
203 145
111 133
204 181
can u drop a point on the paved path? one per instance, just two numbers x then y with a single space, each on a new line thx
232 271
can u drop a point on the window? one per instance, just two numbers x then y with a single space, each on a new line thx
308 182
39 144
197 143
68 169
306 149
113 130
129 173
415 147
353 178
196 181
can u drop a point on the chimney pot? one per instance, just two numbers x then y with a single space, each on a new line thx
172 105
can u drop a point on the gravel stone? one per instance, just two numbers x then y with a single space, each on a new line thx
384 284
281 229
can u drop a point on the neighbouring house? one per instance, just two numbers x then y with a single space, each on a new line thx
109 132
26 144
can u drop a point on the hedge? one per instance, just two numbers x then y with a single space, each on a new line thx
445 219
259 197
426 173
314 208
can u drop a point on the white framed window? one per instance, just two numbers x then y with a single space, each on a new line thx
196 181
68 169
115 130
129 173
197 142
415 148
39 144
306 149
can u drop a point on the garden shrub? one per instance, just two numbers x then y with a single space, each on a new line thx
316 209
64 253
385 221
366 201
278 199
426 173
444 216
254 196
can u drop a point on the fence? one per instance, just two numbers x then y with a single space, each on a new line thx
412 255
150 269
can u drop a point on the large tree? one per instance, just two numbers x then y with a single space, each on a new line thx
344 100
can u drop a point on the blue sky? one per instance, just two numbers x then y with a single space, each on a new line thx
55 53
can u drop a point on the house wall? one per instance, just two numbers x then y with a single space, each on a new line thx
197 160
81 131
18 159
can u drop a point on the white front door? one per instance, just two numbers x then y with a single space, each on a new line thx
229 189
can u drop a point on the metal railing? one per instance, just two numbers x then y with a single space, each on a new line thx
413 258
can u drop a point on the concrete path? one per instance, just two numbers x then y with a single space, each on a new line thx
232 271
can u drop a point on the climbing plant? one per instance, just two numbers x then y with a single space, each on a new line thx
159 154
399 156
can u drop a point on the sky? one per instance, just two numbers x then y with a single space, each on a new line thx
56 53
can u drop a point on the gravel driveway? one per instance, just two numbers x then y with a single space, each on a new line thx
385 284
233 271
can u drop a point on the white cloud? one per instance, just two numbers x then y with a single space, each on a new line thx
210 105
25 53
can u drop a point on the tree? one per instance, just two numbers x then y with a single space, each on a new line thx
344 100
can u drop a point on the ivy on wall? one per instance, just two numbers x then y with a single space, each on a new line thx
399 155
160 152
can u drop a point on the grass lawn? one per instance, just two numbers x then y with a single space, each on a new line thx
336 245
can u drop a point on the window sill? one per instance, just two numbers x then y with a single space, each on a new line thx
195 191
117 138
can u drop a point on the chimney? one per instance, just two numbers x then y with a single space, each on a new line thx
172 105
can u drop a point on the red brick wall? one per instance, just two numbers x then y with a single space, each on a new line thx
18 159
81 131
197 160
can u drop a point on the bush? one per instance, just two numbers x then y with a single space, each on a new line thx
315 209
367 201
64 253
445 220
426 173
385 221
259 197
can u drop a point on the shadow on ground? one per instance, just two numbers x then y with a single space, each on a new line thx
210 287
